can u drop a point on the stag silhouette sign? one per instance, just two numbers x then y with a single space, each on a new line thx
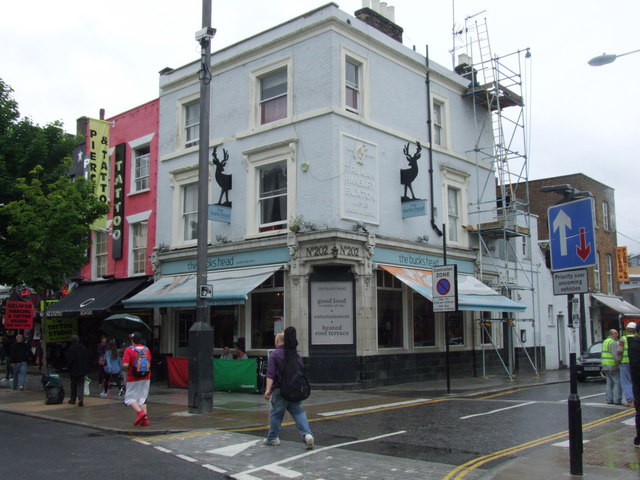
223 179
408 175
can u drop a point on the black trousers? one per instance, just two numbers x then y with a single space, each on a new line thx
636 403
77 388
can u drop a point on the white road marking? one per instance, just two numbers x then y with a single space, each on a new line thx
214 468
143 442
630 421
162 449
285 472
373 407
187 458
496 411
594 395
231 450
246 475
565 444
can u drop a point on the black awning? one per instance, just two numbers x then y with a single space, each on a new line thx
94 298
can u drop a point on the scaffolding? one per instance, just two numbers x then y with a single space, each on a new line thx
497 89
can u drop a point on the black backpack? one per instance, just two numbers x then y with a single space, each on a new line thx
294 386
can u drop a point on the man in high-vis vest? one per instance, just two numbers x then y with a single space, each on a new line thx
625 372
610 368
634 364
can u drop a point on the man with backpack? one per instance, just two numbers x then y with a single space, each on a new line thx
285 378
137 361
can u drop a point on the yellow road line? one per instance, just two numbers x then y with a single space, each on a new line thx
462 470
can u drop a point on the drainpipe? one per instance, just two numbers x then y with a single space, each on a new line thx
430 135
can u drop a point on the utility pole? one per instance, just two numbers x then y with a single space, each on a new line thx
201 334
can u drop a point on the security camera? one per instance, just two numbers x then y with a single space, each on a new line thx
205 33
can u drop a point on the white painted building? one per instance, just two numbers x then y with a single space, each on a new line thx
323 124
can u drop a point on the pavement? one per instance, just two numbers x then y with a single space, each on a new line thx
608 451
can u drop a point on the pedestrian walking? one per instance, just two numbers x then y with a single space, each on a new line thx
611 369
286 343
112 368
19 355
625 372
78 364
137 361
634 367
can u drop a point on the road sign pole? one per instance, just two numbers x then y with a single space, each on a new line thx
573 403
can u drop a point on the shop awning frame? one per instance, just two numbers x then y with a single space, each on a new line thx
94 298
616 304
230 287
473 295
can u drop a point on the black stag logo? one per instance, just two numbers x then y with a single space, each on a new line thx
408 175
223 179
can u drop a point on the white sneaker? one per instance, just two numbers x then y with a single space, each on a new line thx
103 394
275 442
308 439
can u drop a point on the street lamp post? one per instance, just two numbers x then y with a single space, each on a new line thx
200 399
607 58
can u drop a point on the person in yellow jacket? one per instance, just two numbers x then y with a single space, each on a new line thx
625 372
610 368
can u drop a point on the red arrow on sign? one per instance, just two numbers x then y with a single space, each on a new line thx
584 249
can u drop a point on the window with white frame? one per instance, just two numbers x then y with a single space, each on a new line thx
190 212
596 273
270 188
191 124
438 123
138 248
100 253
352 82
454 188
609 274
142 158
273 95
605 216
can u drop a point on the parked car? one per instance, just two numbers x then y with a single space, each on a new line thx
589 364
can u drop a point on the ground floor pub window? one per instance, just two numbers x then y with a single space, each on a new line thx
267 311
224 319
424 325
455 323
389 310
185 322
486 331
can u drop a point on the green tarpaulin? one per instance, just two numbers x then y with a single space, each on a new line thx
235 375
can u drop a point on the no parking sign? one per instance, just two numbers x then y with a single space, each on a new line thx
445 288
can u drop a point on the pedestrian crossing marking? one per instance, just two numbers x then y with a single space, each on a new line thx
232 450
214 468
285 472
374 407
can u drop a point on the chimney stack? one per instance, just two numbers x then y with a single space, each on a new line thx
380 16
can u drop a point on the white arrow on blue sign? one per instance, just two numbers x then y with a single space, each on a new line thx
572 235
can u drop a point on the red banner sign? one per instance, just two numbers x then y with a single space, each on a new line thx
18 315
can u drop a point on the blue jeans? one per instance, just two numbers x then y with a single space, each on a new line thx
19 374
278 407
614 392
625 382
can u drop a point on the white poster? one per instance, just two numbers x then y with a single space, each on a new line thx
332 313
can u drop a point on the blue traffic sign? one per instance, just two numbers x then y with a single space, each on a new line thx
572 235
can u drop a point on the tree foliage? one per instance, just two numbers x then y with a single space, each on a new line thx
45 219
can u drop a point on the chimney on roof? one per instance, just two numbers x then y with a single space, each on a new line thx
380 16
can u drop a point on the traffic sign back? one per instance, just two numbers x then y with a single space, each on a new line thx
572 235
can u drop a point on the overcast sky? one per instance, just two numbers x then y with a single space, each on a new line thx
70 58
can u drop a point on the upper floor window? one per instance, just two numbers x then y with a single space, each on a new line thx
139 248
352 85
609 274
438 120
596 273
141 169
191 124
605 216
190 211
455 204
273 96
100 253
273 196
